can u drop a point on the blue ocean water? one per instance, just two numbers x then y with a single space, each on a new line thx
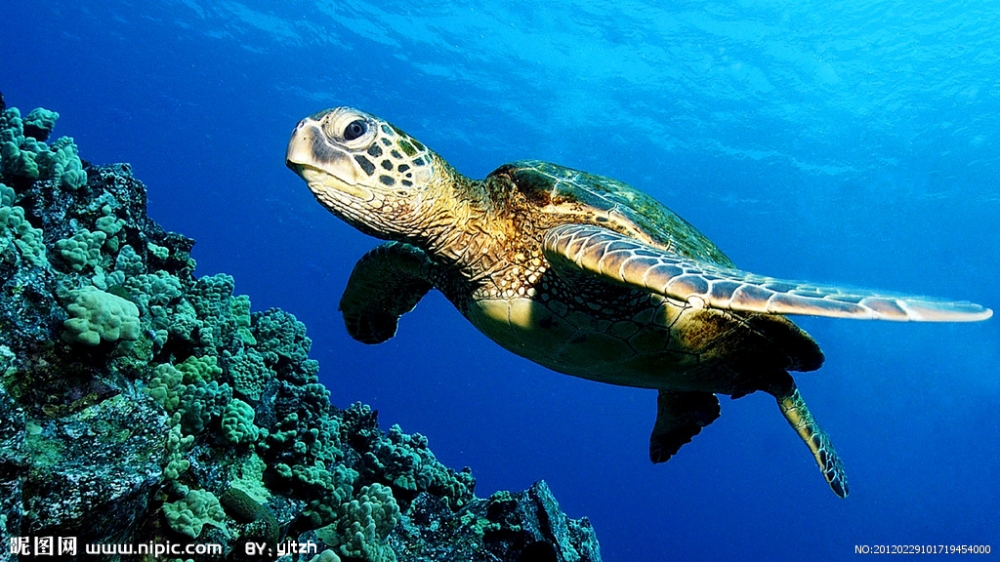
855 142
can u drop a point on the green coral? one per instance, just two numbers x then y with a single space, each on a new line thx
239 309
109 224
16 230
105 281
328 487
182 322
237 422
159 252
153 289
166 386
363 525
283 343
96 315
202 402
304 437
130 263
410 466
82 250
249 373
6 195
178 445
187 391
211 297
477 524
24 154
247 474
189 515
40 122
17 152
61 162
499 508
200 369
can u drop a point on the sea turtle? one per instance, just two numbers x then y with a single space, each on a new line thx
580 273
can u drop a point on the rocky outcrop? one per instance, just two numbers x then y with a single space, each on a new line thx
140 404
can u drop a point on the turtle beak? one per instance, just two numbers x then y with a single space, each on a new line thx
311 149
301 146
327 169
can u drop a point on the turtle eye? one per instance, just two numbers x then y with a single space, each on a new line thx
355 129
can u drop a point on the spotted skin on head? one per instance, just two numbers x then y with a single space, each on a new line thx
363 169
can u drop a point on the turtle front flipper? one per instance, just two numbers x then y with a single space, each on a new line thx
679 417
386 283
801 419
621 259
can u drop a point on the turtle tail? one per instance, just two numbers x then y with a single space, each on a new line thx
801 419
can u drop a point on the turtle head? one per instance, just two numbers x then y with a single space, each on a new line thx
364 170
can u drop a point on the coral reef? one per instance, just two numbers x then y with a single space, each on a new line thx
140 404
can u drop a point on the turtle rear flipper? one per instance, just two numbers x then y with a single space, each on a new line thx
794 408
386 283
679 417
621 259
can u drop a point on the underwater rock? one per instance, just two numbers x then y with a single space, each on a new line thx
522 527
140 404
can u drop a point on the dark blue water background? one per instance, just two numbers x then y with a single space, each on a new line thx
833 141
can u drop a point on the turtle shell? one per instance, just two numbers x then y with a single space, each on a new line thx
572 196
